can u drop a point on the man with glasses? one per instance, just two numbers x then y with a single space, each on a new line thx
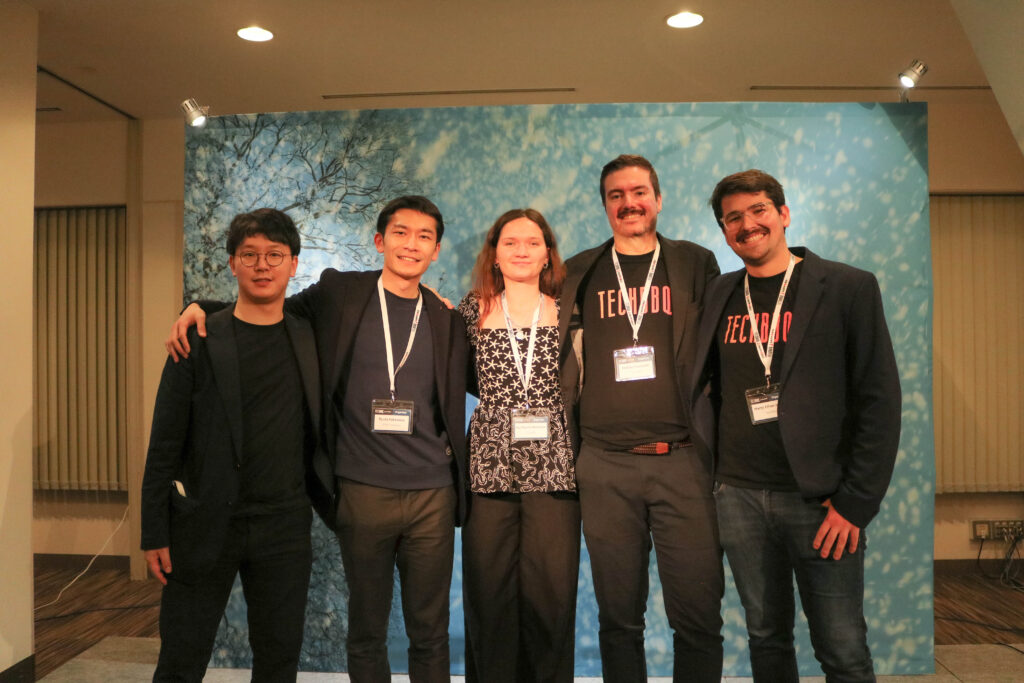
393 362
798 396
225 489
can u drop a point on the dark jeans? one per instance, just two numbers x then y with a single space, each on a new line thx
273 555
378 529
626 501
521 559
767 537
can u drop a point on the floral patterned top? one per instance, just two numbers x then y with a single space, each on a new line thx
496 463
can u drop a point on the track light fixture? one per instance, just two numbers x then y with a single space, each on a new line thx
194 114
913 73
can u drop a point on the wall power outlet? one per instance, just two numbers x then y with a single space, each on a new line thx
996 530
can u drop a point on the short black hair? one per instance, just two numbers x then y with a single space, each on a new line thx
275 225
413 202
628 161
750 181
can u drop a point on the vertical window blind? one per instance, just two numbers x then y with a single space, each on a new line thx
977 257
80 369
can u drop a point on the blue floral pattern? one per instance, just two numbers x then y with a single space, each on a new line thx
856 183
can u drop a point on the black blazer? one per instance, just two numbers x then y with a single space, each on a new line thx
690 268
335 306
839 412
197 439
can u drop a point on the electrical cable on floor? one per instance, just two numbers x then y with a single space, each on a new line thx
977 560
1007 577
1010 573
1012 647
70 583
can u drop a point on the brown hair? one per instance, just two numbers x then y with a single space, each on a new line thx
488 281
751 181
629 161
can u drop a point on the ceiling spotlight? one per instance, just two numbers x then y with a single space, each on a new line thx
912 74
684 20
255 34
194 114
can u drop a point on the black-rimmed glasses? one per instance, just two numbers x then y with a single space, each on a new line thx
249 259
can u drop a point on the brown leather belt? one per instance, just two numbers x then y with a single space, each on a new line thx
659 447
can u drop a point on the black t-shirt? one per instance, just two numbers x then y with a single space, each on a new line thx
397 461
274 419
749 455
620 415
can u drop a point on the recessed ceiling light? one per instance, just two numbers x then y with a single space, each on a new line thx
684 20
255 34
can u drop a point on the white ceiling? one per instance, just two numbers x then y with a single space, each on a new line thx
145 56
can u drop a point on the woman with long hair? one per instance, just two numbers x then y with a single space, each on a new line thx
521 541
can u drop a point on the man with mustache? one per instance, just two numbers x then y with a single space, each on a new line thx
629 317
799 399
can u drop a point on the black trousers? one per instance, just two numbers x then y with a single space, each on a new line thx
380 529
627 500
520 559
273 555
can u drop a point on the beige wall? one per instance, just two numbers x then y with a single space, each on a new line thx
994 29
142 166
82 164
971 149
954 513
161 191
80 523
18 33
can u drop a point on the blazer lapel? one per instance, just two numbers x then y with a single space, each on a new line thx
569 299
570 293
679 303
355 302
304 346
440 332
808 294
715 298
224 358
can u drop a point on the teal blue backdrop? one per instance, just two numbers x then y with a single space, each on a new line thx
856 182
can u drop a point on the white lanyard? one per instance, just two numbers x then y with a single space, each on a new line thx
635 322
524 374
766 356
392 370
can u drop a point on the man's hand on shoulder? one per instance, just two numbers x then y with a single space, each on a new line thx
836 534
177 341
436 293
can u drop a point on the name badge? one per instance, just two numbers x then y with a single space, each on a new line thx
763 403
530 424
636 362
391 417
